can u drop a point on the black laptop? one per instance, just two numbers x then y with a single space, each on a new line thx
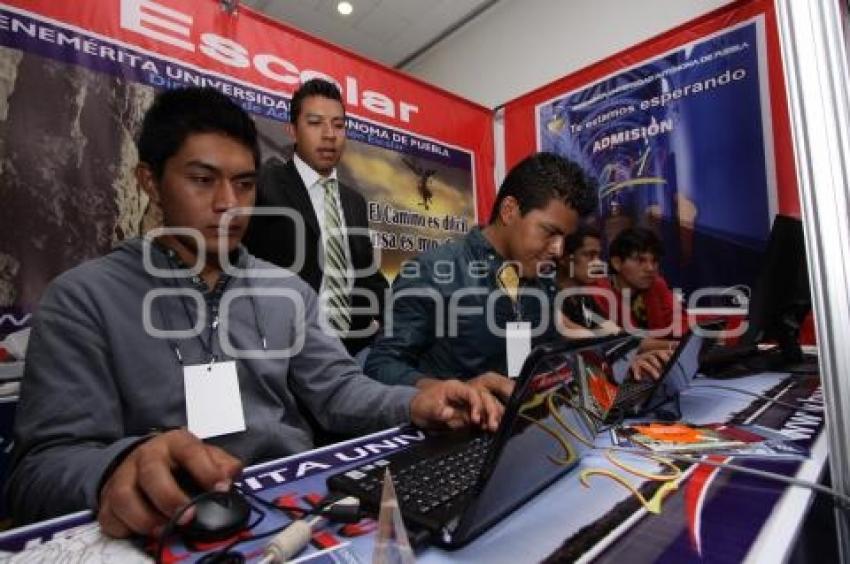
611 401
457 485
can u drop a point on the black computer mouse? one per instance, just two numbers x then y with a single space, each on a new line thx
218 515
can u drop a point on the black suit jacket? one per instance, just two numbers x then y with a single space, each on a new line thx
273 238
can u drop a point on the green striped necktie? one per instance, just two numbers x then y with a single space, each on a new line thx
336 261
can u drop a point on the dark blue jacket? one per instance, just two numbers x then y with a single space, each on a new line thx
437 323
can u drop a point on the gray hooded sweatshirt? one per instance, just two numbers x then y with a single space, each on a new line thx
97 382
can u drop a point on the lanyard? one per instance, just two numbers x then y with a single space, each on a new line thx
209 344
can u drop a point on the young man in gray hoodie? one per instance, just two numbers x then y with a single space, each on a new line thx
182 335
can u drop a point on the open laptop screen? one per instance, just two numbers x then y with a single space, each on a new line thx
541 437
684 365
613 399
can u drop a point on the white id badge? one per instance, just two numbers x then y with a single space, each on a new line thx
213 402
518 345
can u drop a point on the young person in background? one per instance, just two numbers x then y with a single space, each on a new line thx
641 299
578 272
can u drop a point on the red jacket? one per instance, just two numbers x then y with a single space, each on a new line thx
657 305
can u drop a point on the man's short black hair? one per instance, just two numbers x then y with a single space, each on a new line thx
176 114
313 87
541 177
635 241
575 240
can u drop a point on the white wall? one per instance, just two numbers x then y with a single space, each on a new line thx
519 45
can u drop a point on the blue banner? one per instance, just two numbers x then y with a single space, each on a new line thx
679 144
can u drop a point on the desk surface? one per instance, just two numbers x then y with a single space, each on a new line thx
714 516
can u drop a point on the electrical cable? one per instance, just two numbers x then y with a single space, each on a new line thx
221 555
290 539
169 528
843 500
760 396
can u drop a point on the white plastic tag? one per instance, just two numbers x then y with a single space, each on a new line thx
213 401
518 345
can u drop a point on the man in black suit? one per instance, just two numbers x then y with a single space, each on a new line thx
336 255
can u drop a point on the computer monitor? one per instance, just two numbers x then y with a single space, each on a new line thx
781 298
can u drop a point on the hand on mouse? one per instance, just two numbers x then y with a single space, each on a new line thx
141 494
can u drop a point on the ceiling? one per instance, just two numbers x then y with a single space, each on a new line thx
389 31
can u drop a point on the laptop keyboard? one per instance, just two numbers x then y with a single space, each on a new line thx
428 484
631 388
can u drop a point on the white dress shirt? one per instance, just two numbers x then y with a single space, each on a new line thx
313 181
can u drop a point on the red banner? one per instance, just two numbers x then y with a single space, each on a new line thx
79 76
265 54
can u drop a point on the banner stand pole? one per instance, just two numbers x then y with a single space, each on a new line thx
815 58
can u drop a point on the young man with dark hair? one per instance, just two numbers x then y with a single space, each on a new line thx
580 268
582 257
642 299
452 304
538 179
335 222
125 348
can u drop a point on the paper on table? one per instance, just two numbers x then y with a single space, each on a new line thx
80 544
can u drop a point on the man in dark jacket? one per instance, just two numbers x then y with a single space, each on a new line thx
324 236
451 305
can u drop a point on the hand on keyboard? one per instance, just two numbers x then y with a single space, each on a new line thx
495 384
455 405
649 364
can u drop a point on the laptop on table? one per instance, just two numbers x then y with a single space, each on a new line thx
611 401
456 485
